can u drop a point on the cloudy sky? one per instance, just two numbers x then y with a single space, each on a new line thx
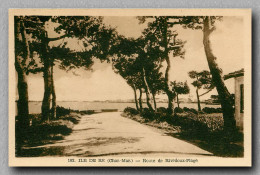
103 84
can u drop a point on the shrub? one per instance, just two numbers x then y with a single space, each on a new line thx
213 122
193 128
61 111
131 111
219 110
170 120
38 134
194 111
212 110
178 110
185 109
190 110
72 117
54 127
148 114
162 110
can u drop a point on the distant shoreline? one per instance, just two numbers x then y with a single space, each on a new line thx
130 102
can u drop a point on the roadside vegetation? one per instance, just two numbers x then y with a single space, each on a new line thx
46 132
204 129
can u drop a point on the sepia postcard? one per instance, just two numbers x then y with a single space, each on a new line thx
130 87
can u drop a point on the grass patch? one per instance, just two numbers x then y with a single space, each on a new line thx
36 152
41 133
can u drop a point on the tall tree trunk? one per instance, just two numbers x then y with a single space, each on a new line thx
22 109
22 104
147 91
136 102
22 55
167 89
47 92
154 102
198 98
178 102
140 100
224 95
53 93
47 82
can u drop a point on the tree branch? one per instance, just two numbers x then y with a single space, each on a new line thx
36 70
207 91
35 22
212 29
58 38
173 23
176 46
29 28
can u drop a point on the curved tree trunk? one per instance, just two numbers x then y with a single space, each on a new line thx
22 103
166 77
22 85
22 109
198 98
140 99
167 87
136 102
53 93
47 92
154 102
47 82
178 102
208 91
147 91
224 95
21 57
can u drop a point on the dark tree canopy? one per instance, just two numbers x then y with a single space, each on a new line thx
180 87
92 35
202 79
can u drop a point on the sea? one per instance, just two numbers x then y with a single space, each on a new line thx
35 106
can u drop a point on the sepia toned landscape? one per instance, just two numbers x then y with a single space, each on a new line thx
129 86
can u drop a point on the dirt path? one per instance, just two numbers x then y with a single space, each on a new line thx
106 134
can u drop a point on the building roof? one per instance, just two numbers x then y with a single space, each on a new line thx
238 73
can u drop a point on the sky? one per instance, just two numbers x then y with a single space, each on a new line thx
103 84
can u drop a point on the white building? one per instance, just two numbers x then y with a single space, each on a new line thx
239 96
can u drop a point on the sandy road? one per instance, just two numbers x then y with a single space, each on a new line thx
107 134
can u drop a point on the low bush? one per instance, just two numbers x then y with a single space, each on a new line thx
188 124
162 110
169 119
43 133
148 114
131 111
212 110
193 128
162 113
40 132
178 110
190 110
214 122
54 127
61 111
72 117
